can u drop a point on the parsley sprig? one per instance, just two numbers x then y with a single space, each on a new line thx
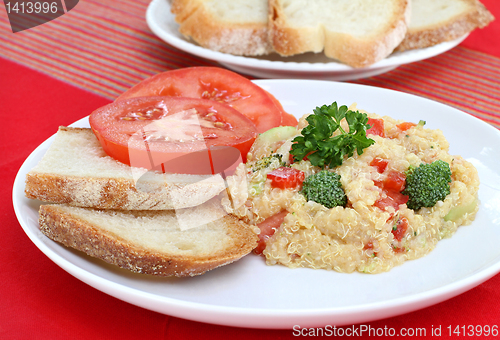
321 148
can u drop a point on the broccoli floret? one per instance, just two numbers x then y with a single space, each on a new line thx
324 188
427 184
265 162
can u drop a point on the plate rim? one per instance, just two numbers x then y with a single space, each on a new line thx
424 299
388 63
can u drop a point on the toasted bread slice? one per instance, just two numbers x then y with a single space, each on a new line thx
357 32
76 170
237 26
435 21
151 242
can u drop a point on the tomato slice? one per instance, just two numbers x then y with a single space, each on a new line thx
172 134
286 178
217 84
287 119
376 127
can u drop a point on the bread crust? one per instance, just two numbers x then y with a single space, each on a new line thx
477 17
201 25
356 52
70 230
117 192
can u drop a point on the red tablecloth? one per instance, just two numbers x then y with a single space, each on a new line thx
57 73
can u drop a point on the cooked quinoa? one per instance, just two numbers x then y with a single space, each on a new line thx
360 236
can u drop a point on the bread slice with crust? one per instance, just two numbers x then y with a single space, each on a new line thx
356 32
151 242
237 27
76 170
435 21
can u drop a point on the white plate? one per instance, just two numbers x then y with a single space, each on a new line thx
249 293
306 66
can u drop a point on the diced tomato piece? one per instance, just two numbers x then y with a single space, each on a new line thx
392 185
380 164
394 199
398 197
377 127
395 180
405 126
267 229
286 178
385 202
399 250
401 227
368 245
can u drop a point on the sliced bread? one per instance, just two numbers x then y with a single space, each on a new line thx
356 32
436 21
76 170
232 26
150 242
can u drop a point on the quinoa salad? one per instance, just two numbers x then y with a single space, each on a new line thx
383 215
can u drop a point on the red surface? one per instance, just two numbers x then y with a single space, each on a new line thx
487 40
38 300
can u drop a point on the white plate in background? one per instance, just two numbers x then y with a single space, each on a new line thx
248 293
305 66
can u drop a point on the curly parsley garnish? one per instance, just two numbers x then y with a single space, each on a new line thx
321 148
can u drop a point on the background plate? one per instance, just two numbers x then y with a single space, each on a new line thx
305 66
250 294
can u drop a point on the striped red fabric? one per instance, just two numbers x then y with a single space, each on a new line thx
105 47
462 78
